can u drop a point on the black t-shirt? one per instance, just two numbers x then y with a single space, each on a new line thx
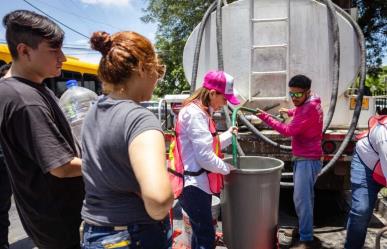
36 137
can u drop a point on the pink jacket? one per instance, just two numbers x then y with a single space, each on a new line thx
305 128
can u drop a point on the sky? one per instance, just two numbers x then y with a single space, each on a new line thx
85 17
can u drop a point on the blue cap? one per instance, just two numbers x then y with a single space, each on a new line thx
71 83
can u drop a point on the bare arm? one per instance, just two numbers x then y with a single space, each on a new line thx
147 156
70 169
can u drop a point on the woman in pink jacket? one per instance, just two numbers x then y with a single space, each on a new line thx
306 132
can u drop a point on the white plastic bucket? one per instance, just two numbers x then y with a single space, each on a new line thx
186 234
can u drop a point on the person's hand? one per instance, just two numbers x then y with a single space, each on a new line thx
283 111
233 130
231 167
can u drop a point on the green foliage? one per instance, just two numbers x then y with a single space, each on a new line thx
373 22
176 20
375 84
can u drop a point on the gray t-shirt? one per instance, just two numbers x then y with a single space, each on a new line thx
111 186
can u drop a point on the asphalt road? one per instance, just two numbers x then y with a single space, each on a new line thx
329 225
17 237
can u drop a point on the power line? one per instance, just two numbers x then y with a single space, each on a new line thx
77 15
33 6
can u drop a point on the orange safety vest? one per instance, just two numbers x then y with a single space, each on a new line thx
176 166
377 173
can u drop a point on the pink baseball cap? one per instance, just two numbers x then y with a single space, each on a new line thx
222 83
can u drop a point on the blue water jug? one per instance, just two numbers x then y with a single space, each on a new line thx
75 103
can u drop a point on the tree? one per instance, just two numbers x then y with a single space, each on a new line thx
176 20
373 22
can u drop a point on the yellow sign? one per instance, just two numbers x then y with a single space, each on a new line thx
364 105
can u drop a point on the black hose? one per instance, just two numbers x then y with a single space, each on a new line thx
336 63
335 80
208 12
256 132
220 57
221 64
359 98
195 65
219 37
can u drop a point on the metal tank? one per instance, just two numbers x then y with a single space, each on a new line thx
250 202
266 42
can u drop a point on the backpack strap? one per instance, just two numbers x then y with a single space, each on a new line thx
192 173
187 173
178 146
371 126
372 123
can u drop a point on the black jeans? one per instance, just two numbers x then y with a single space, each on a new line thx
197 204
5 201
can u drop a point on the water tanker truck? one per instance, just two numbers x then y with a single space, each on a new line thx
263 43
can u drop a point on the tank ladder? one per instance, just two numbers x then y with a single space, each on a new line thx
265 49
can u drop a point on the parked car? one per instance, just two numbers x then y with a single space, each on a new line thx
157 109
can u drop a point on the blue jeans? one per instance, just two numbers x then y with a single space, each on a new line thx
147 236
305 175
364 194
197 204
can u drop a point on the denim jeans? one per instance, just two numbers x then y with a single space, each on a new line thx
364 193
305 175
197 204
5 202
147 236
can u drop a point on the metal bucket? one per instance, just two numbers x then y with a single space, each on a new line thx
250 203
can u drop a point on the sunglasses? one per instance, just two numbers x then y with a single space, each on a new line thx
296 95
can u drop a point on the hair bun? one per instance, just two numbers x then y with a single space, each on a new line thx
101 42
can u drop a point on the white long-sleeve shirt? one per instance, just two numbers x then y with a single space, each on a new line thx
196 147
378 139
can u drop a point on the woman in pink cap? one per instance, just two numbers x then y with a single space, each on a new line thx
200 150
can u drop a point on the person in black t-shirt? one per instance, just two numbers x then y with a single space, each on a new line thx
5 189
39 149
5 203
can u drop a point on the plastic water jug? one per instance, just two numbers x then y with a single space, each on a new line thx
75 102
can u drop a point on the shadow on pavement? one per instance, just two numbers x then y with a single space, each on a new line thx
25 243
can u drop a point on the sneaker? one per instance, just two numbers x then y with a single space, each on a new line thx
313 244
292 233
